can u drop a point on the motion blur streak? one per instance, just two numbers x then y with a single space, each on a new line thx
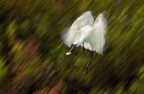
32 54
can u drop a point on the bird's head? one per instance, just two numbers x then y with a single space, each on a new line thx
71 49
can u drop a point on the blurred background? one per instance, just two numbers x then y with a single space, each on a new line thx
32 54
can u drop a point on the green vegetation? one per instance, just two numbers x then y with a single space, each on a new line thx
32 54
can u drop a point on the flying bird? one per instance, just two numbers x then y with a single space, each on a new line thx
87 33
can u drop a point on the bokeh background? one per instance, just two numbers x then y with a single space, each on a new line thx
32 54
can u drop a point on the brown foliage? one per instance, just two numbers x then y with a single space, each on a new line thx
55 90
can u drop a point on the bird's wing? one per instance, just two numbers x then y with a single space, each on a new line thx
85 19
73 33
100 26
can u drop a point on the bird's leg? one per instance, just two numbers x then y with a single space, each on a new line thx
71 49
91 56
76 56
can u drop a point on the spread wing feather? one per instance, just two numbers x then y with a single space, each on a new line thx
69 35
100 26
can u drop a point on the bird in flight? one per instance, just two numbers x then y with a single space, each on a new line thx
87 33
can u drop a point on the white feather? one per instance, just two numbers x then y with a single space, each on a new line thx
87 33
100 26
73 33
95 36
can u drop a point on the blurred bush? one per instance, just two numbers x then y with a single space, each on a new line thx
32 54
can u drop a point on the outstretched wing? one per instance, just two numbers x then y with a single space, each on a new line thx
73 33
100 26
85 19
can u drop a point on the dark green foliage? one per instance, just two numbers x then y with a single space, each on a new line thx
32 54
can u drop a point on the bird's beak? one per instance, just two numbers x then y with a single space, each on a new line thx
71 49
68 53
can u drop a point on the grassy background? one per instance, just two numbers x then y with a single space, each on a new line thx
32 54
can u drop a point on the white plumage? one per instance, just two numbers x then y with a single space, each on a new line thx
87 33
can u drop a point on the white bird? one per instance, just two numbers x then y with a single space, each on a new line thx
87 33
